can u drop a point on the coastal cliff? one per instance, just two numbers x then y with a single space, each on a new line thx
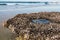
26 29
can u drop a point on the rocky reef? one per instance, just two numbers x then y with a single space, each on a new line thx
27 29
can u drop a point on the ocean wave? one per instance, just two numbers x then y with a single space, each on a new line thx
23 3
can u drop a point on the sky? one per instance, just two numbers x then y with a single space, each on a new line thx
34 0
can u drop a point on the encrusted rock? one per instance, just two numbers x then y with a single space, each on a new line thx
25 29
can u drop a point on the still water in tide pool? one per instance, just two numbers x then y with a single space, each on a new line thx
9 11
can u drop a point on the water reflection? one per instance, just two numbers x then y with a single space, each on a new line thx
41 21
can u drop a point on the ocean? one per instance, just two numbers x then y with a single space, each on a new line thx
12 9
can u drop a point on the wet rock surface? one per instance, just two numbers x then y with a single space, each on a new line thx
25 29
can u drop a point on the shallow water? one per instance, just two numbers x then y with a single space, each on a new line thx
9 11
41 21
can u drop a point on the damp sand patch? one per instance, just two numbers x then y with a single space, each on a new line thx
5 34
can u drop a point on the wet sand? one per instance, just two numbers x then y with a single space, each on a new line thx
5 34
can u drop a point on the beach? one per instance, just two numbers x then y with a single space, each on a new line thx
9 11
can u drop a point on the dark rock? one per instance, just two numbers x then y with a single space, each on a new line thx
23 26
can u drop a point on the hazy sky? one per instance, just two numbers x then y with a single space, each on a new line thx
32 0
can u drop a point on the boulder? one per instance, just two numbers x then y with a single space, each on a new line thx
25 29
